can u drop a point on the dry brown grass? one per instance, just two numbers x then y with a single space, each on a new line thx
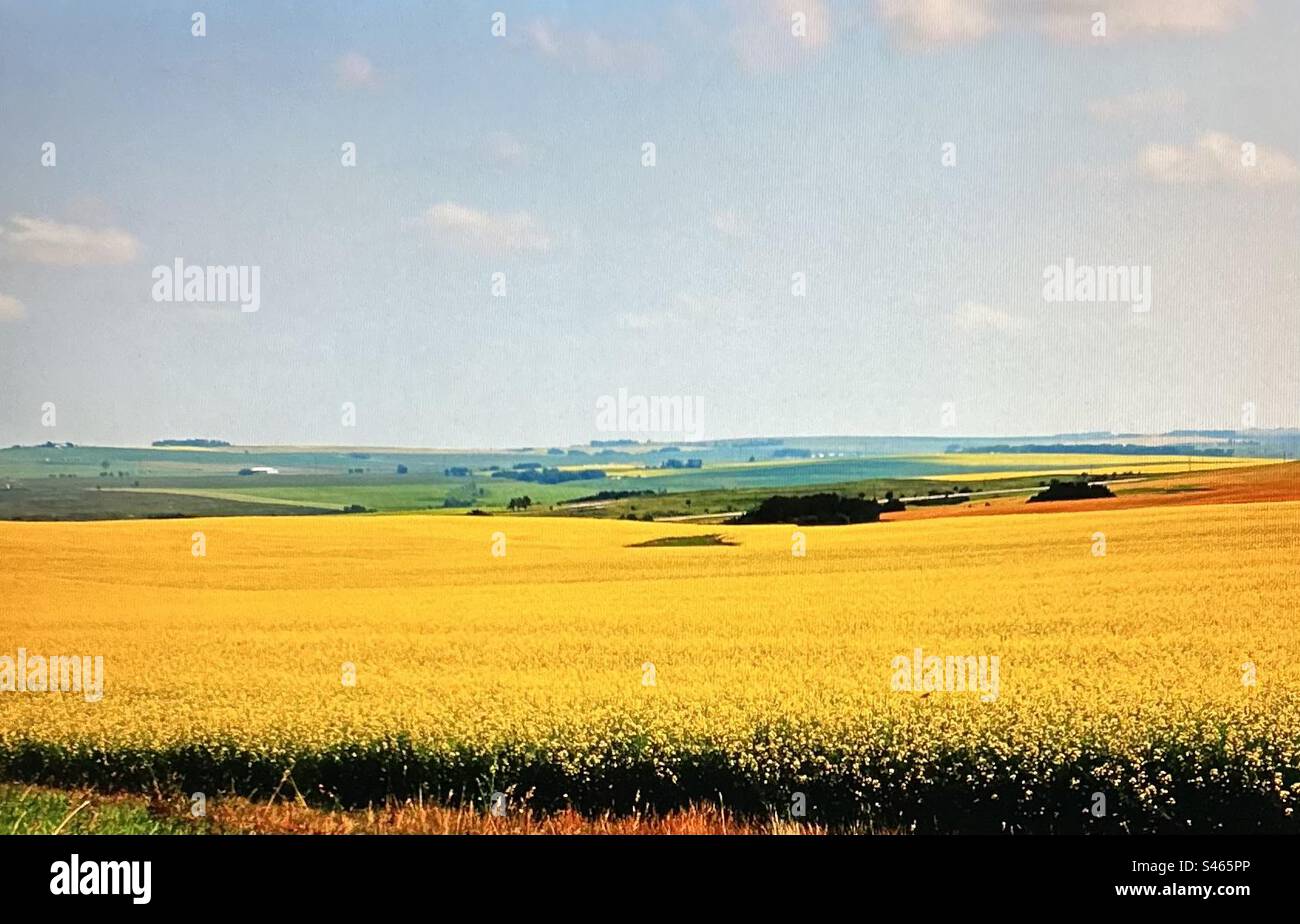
239 816
30 809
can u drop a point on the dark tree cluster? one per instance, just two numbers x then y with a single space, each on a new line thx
209 444
549 475
608 495
817 510
1071 490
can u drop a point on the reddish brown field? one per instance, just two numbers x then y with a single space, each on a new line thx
1279 482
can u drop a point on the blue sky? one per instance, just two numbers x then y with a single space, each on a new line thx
819 153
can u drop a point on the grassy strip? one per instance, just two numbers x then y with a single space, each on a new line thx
41 810
673 542
33 810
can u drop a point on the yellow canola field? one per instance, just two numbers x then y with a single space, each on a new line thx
571 644
1043 465
1119 461
1031 464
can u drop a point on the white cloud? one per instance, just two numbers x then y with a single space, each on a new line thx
463 226
589 50
706 304
1190 16
543 38
355 70
765 39
687 310
1137 105
10 308
729 224
1217 157
505 150
633 320
39 240
928 24
975 316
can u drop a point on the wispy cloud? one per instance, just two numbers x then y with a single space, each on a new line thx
633 320
1217 157
355 71
1139 17
729 224
505 150
974 316
10 308
688 310
462 226
40 240
702 305
934 23
1137 105
589 50
930 24
775 35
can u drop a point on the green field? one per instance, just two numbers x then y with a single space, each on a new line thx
699 504
60 481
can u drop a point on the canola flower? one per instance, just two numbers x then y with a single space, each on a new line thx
1162 676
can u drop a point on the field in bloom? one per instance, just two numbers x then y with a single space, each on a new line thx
1042 465
1155 687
